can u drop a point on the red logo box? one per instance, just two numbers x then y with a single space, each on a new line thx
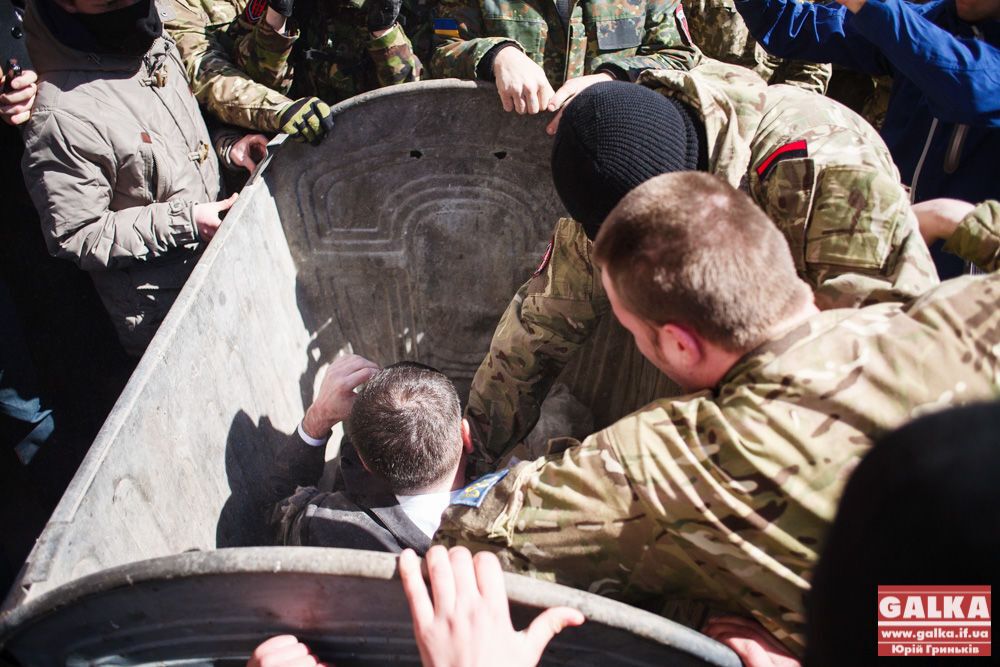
935 620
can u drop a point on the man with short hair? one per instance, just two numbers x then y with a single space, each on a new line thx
723 495
403 455
819 171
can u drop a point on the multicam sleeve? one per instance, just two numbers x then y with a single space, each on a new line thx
977 238
228 93
459 42
260 51
572 518
395 61
548 320
814 77
666 43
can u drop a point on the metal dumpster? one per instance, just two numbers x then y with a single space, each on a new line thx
402 236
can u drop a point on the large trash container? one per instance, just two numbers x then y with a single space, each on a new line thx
402 236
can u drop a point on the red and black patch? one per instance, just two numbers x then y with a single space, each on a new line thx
545 260
255 10
683 23
796 149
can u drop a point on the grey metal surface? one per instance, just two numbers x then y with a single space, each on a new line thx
417 216
197 608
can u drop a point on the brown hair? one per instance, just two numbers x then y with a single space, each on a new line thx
406 425
689 249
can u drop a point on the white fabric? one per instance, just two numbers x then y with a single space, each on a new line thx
425 510
311 441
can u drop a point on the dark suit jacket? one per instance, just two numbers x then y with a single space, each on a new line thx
360 513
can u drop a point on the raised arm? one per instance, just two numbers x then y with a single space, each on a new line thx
959 76
548 320
810 31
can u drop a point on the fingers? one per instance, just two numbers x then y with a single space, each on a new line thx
464 573
553 125
359 377
519 104
20 94
489 579
442 581
275 643
349 364
228 202
533 101
421 609
550 623
506 99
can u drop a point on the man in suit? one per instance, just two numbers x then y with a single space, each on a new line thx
403 456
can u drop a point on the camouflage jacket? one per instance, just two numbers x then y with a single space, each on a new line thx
818 170
632 36
227 91
331 54
719 31
724 496
977 238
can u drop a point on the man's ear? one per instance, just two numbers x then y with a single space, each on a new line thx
680 345
466 437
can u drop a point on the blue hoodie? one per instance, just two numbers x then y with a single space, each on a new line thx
943 121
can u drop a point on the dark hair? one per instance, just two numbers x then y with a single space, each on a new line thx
406 426
921 509
689 249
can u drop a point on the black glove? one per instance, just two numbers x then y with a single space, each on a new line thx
283 7
382 14
306 119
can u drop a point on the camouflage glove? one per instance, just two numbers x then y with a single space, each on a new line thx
283 7
382 14
306 119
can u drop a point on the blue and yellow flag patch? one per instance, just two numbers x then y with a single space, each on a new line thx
474 494
446 27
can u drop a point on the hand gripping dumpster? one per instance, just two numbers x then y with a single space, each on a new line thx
402 236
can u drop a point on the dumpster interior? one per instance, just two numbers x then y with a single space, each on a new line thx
402 236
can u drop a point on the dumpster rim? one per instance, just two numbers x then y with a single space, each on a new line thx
335 562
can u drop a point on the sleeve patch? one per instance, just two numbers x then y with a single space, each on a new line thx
545 259
474 494
796 149
255 10
446 27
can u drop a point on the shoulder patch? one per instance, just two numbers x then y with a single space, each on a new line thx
255 10
474 494
545 259
796 149
446 27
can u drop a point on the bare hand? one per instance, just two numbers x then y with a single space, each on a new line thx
282 651
248 151
939 218
206 216
755 646
336 395
853 5
15 106
567 92
521 83
468 624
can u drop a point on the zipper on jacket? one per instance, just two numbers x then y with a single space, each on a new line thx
920 162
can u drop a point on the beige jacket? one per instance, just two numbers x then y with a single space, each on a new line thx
116 156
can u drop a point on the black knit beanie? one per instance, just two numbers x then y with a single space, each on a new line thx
613 137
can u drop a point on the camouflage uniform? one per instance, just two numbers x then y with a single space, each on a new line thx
334 55
847 219
724 496
228 92
719 31
632 35
977 238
